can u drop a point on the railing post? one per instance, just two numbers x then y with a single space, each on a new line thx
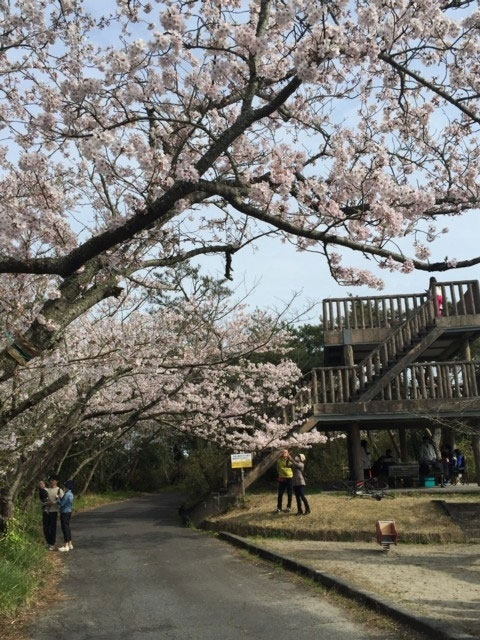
476 297
314 386
323 386
325 319
346 313
445 310
463 308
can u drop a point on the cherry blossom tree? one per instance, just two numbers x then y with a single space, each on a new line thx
183 364
137 135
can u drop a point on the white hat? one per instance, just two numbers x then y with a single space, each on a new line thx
302 457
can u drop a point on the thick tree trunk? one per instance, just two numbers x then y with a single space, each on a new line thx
6 509
76 298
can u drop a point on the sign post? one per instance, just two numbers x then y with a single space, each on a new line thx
242 461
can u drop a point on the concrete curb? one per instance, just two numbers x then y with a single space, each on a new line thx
420 623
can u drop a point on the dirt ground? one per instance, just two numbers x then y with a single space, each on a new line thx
440 581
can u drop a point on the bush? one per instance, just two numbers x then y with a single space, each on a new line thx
202 471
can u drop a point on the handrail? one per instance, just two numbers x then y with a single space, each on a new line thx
460 297
403 295
433 380
419 380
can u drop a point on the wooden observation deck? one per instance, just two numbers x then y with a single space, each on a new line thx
393 362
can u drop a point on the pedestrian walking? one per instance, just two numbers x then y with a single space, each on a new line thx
50 512
66 505
298 465
284 477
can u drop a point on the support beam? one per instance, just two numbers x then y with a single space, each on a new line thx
466 350
348 359
357 470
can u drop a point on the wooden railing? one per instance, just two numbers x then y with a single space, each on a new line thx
418 381
371 312
460 298
440 380
375 312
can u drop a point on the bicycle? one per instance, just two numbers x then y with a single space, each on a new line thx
375 488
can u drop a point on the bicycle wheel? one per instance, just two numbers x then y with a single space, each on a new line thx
387 494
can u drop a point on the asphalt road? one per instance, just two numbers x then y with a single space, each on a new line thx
136 574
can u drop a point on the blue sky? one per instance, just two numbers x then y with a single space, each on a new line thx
279 270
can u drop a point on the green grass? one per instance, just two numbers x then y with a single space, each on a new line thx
23 560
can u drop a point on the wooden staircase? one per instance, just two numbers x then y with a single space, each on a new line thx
400 371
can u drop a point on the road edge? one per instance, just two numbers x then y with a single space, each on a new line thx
420 623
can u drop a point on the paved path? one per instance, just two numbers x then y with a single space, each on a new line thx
136 574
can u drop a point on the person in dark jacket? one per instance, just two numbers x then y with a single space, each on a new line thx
298 465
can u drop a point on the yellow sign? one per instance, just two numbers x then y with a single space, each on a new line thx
241 460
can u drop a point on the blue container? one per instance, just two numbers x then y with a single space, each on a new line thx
429 481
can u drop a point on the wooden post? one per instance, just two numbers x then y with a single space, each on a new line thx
314 387
466 351
226 472
348 355
402 436
357 469
476 454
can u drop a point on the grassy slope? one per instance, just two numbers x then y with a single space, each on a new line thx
335 517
